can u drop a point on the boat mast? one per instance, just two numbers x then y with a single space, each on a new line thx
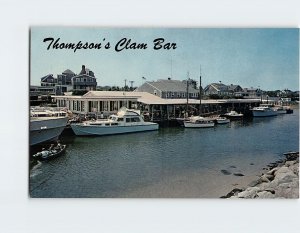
200 94
187 92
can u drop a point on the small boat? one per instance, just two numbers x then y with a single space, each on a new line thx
234 115
126 121
264 110
198 122
51 153
222 120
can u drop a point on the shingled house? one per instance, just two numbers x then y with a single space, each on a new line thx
223 90
64 82
85 80
216 89
169 89
48 81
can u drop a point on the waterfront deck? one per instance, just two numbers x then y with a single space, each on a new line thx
153 108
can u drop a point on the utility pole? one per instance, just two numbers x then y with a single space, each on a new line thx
125 80
131 84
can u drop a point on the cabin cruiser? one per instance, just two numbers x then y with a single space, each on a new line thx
125 121
198 122
233 115
46 124
264 110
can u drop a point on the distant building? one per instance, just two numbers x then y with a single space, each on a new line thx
223 90
85 80
235 90
36 91
64 82
216 89
69 81
169 89
48 80
252 92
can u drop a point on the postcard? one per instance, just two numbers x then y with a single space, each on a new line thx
164 112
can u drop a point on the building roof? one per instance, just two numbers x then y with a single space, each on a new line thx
67 71
232 87
250 89
147 98
171 86
47 76
219 86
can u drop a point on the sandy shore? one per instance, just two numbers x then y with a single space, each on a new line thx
280 180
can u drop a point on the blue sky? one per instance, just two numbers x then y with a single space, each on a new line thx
265 58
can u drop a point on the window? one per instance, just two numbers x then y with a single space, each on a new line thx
78 106
113 105
105 105
120 119
100 106
74 105
135 119
82 106
127 119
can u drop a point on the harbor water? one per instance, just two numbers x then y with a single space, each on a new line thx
170 162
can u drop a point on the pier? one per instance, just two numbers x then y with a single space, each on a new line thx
155 109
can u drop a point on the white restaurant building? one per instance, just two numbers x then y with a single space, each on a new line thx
109 102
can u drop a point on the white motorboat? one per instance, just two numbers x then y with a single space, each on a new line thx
222 120
233 115
46 124
51 153
125 121
264 111
198 122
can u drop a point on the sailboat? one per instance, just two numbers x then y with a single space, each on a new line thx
198 121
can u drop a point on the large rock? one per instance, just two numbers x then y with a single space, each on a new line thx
285 177
288 190
271 172
249 192
283 169
289 163
265 195
295 169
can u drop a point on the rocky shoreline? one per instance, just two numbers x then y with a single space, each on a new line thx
280 180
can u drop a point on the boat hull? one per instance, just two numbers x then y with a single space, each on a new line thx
222 121
86 130
264 113
197 125
281 111
43 130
